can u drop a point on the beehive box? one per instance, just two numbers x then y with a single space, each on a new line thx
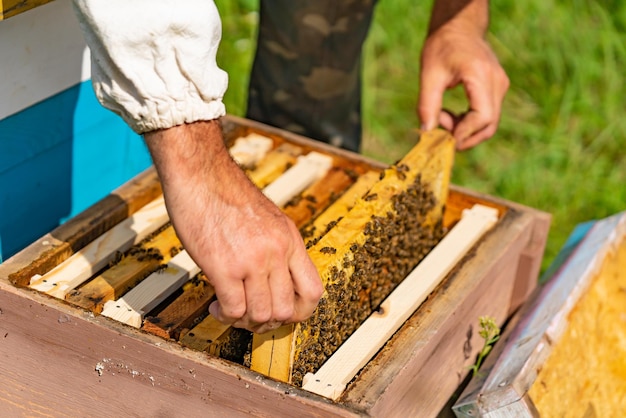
566 354
59 359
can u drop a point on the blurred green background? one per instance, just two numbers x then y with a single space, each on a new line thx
560 145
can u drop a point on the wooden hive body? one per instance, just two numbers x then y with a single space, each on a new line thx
103 359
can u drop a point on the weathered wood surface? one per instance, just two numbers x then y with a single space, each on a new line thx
58 361
213 337
512 367
203 336
331 379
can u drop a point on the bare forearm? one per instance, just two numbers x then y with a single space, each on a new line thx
469 16
189 151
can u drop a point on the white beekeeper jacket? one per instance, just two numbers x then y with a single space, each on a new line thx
153 61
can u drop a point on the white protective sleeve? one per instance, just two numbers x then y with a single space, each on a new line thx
153 61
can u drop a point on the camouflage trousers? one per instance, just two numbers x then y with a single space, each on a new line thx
306 76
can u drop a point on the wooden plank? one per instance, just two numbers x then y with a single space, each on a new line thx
249 150
133 306
134 267
57 246
183 311
96 255
275 163
10 8
325 220
318 196
272 353
530 261
308 169
407 204
331 379
100 365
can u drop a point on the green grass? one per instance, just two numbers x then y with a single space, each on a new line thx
560 145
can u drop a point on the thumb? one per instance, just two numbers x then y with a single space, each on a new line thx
433 84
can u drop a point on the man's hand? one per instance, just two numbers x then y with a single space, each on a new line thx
251 252
455 52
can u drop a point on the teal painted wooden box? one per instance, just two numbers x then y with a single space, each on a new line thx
58 157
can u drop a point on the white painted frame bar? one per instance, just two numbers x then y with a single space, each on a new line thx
250 149
306 171
74 271
154 289
331 379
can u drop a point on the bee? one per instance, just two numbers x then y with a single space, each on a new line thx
294 201
174 251
328 250
161 268
370 197
402 168
116 259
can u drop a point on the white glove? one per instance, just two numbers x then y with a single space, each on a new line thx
153 61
